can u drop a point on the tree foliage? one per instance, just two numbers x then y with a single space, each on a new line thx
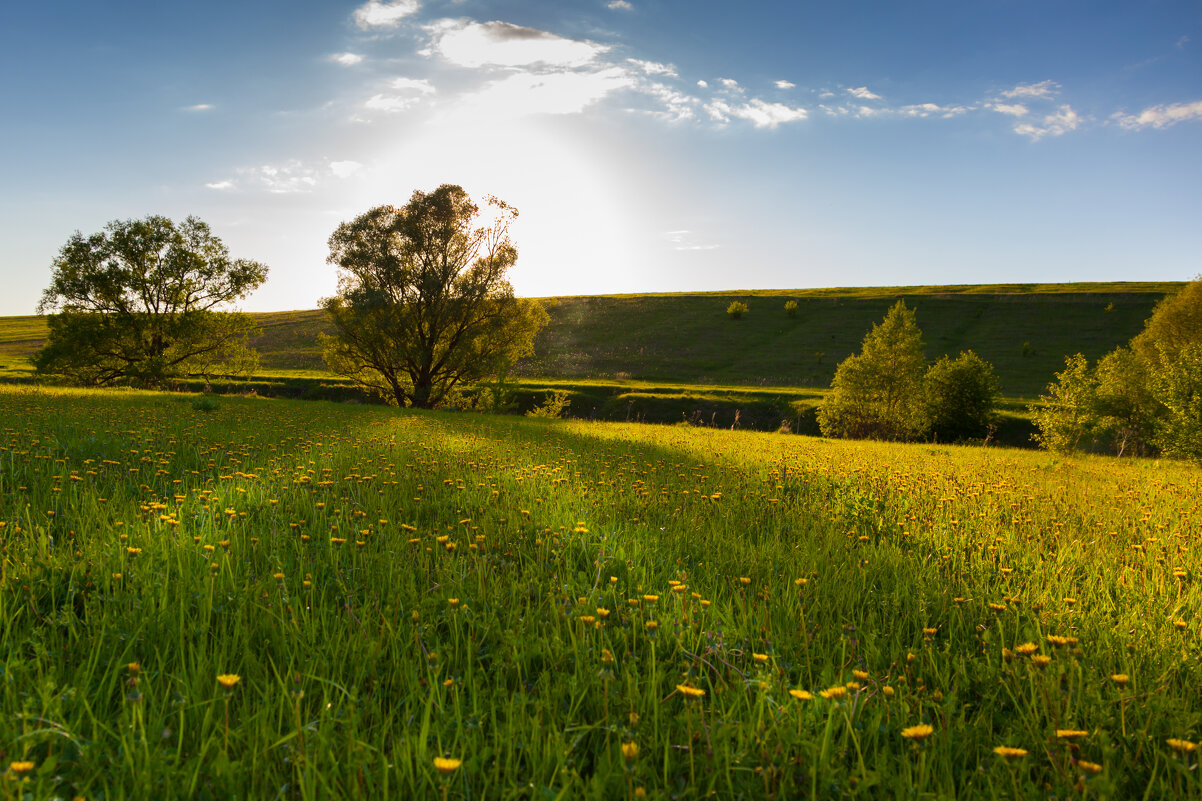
877 393
960 396
141 301
1178 386
1175 323
423 303
1065 416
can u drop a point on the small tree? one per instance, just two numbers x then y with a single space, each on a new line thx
736 309
791 308
878 393
1067 414
1175 323
1178 385
960 396
142 301
423 302
1125 405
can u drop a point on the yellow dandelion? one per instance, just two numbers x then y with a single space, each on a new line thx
1089 767
1010 753
447 765
744 580
650 598
630 751
652 625
133 551
1026 649
689 692
801 695
1071 734
1120 679
453 601
228 680
1041 660
21 767
929 632
1060 642
862 675
759 657
919 732
1181 746
834 693
888 691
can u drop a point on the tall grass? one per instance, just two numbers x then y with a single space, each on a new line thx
577 610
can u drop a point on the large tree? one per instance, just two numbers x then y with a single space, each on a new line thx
143 301
423 303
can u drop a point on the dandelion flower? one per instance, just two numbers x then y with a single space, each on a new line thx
862 675
834 693
1026 649
20 767
759 657
1181 746
1089 767
652 625
690 692
1120 679
919 732
447 765
1041 660
1070 734
801 695
630 751
1010 753
228 680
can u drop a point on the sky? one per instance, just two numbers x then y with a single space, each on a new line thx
649 145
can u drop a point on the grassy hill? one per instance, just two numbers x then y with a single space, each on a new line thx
674 356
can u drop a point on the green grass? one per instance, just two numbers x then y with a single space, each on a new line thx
391 587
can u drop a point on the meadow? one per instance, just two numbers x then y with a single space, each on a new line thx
242 597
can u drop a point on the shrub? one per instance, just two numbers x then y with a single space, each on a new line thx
791 308
960 396
736 309
555 405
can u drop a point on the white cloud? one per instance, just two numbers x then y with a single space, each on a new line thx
389 103
785 84
476 44
283 179
1013 109
220 186
346 59
344 169
684 240
1058 123
932 110
1043 89
412 84
1160 116
676 105
756 111
619 5
525 93
703 84
654 67
729 83
863 93
199 107
376 14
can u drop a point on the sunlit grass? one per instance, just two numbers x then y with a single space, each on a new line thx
423 604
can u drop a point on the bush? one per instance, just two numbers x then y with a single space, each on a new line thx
960 396
736 309
791 308
555 405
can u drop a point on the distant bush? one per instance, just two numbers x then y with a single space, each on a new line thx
960 396
791 308
555 405
736 309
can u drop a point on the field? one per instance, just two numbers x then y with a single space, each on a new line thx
274 599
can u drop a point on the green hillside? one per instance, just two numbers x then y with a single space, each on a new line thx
1025 330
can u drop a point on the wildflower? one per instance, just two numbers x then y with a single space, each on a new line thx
1180 624
134 668
1070 601
862 675
1040 660
801 695
888 691
278 576
453 602
588 619
834 693
759 657
929 632
800 582
607 656
1089 767
1010 753
650 598
690 692
1070 734
447 765
228 680
1026 649
919 732
602 612
1181 746
1120 679
630 751
1059 641
135 551
744 580
652 625
20 767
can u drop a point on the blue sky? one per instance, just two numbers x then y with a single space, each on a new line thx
649 145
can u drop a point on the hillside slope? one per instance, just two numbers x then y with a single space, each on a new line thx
1024 330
